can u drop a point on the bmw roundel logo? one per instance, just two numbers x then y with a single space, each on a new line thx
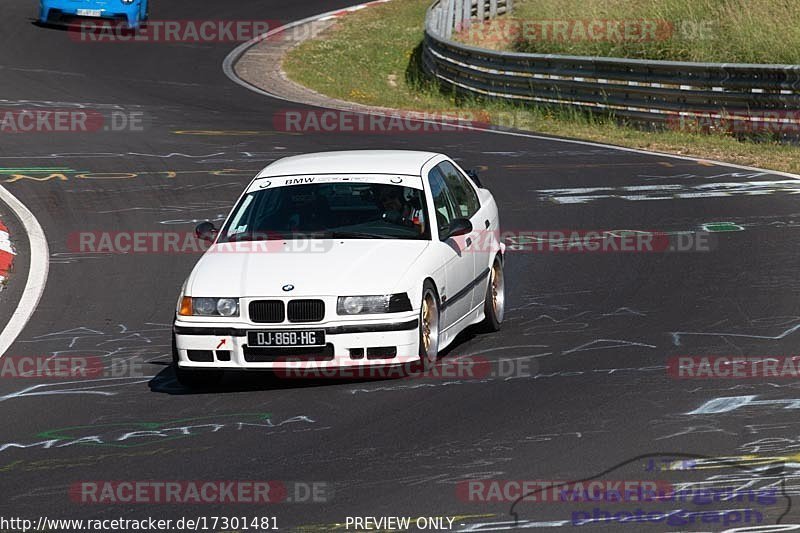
288 287
264 185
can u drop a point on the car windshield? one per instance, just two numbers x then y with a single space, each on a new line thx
329 210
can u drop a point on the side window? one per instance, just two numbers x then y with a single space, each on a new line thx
466 200
442 203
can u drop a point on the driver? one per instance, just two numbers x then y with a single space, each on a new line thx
393 205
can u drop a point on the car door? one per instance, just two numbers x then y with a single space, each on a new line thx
456 294
467 205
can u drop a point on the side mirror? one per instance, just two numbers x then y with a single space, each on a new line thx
473 174
459 226
205 231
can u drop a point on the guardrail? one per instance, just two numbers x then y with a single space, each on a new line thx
756 97
451 15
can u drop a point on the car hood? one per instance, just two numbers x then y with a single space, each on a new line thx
357 266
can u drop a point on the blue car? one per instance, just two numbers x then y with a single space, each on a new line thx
134 12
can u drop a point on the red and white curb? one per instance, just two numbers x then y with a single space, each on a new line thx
37 270
7 253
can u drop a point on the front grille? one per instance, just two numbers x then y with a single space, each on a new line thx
272 355
267 311
306 310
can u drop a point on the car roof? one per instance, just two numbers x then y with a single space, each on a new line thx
406 162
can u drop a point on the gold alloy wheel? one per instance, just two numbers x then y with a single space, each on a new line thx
426 328
498 291
429 324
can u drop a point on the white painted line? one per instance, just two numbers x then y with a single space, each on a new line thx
37 272
236 53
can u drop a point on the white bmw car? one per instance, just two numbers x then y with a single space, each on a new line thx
342 259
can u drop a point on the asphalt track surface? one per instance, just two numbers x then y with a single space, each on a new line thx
597 329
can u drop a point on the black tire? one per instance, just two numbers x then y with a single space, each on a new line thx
429 325
194 378
494 302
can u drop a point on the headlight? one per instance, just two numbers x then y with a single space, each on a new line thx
228 307
204 306
209 306
366 305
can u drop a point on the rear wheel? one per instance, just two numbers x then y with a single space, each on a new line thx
494 305
194 378
429 325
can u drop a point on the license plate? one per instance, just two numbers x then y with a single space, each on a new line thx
90 12
286 339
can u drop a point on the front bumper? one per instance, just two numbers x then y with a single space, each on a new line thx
223 345
67 13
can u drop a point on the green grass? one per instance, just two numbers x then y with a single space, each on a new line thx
742 31
372 57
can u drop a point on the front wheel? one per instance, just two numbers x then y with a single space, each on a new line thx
429 326
494 305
